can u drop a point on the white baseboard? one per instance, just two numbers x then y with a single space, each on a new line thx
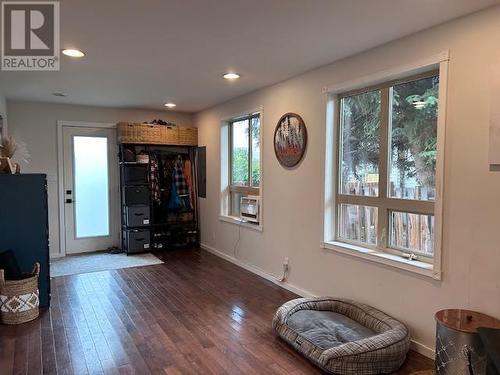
422 349
415 345
257 271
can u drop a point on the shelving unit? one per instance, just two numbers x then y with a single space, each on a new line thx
147 225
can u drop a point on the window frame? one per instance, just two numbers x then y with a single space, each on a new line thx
392 257
227 187
383 202
249 189
250 150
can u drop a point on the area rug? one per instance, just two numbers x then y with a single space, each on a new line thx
94 262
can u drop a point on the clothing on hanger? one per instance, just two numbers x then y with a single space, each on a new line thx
174 202
168 167
179 178
180 190
154 179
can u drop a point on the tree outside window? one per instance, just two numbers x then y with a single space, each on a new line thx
387 165
244 160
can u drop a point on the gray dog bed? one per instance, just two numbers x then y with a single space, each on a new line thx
342 336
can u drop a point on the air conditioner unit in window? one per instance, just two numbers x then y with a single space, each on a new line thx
249 209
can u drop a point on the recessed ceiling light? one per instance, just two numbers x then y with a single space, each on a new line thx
73 52
60 94
231 76
170 105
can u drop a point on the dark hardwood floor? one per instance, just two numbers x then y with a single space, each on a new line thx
195 314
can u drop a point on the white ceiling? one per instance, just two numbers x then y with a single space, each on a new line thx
141 54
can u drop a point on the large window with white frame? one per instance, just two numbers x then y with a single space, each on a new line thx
240 162
384 192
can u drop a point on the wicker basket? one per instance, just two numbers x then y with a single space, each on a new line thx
188 136
138 133
19 302
169 135
156 134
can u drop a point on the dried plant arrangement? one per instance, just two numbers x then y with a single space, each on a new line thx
8 147
13 153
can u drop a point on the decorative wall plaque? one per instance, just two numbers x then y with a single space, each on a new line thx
290 140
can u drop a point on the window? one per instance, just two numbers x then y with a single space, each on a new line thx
244 160
385 187
91 186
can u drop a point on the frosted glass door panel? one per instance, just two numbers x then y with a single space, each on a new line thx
91 186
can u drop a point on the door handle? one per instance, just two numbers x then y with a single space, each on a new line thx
69 200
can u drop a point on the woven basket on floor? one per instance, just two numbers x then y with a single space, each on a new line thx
19 302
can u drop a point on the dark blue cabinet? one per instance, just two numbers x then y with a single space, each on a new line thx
24 224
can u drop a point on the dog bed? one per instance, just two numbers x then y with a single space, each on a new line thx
342 336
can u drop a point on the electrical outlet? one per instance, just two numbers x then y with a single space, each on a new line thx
285 270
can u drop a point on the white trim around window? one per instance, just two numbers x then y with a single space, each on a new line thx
225 174
428 268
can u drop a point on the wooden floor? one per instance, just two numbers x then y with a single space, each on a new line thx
195 314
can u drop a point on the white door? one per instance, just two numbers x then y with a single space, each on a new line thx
91 199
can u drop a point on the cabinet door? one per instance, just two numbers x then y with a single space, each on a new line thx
24 224
202 172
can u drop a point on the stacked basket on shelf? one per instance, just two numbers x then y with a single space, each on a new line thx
140 133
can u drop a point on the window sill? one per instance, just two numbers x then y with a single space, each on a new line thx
415 266
240 222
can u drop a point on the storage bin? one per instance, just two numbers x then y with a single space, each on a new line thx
138 240
169 135
136 133
187 136
137 216
136 195
135 175
19 299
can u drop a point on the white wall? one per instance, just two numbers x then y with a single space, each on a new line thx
3 111
36 124
292 198
3 104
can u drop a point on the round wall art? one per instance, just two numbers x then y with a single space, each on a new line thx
290 140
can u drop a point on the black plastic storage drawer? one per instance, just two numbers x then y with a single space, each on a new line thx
137 216
135 174
138 240
136 195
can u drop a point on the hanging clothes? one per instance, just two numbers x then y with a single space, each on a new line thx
154 179
179 196
179 179
174 202
168 168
